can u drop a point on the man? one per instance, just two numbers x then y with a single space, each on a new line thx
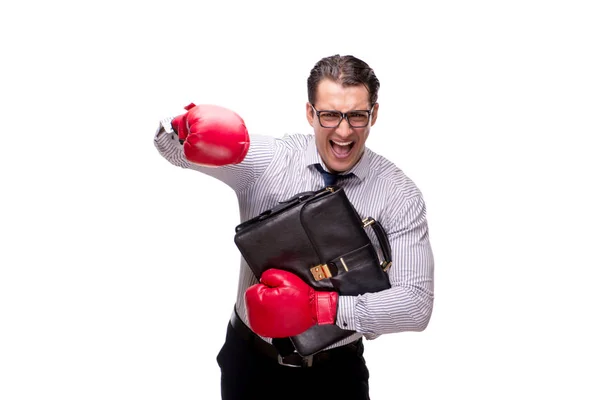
342 107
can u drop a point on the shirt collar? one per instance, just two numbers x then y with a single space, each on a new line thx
360 170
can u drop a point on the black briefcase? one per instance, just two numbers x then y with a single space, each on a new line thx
320 237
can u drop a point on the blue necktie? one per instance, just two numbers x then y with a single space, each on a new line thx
328 178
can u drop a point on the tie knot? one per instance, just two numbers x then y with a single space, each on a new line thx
329 178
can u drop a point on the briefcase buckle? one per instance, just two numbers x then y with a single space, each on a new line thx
385 265
320 272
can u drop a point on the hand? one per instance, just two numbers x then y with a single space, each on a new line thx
212 135
283 305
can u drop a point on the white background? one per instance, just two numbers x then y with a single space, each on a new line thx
119 272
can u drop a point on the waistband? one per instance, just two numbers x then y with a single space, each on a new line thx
294 359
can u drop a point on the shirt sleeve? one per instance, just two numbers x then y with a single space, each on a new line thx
237 176
408 304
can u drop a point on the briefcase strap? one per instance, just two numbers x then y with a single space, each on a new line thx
382 238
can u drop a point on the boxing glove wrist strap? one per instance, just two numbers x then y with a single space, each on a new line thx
325 307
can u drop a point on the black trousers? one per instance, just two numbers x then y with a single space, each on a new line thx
247 374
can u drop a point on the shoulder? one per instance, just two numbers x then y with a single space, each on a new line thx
287 142
392 180
294 141
401 200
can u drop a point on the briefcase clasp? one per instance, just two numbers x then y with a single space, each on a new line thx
320 272
385 265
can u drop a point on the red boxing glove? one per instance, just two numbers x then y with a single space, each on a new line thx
212 135
283 305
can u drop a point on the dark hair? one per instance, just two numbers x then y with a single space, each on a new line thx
346 70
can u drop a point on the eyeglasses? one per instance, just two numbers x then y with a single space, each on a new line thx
333 119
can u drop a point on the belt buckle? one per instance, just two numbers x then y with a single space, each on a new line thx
304 361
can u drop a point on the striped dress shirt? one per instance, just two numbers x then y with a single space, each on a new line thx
275 169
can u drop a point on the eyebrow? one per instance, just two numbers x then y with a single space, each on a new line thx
350 110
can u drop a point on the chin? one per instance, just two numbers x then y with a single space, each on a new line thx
341 165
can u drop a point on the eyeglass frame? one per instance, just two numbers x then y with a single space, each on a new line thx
344 117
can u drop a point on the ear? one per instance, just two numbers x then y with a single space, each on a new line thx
310 114
374 114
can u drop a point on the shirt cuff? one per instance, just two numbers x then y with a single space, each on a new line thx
345 312
166 124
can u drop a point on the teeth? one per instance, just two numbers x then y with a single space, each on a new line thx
342 143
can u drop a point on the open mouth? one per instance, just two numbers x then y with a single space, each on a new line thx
341 149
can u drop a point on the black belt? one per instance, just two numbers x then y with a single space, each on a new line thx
294 359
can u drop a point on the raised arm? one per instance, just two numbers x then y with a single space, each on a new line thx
215 141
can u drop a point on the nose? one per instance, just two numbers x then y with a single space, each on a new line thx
344 129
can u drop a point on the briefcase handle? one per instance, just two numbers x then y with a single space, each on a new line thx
382 239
